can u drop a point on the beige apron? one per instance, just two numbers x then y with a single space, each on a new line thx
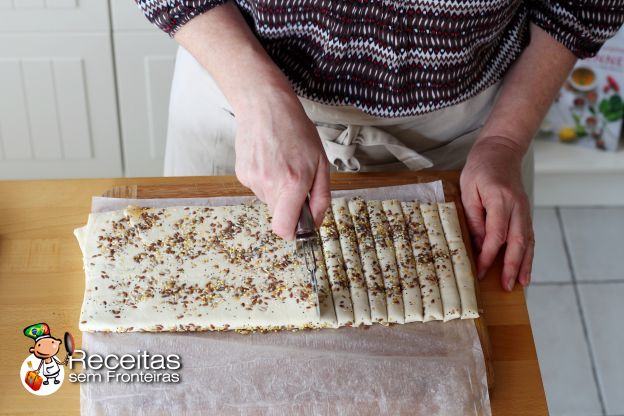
200 139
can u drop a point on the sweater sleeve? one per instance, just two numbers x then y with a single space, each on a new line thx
582 26
171 15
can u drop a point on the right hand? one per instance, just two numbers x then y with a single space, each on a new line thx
280 157
279 154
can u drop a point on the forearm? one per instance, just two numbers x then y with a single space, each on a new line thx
497 207
222 42
279 154
528 90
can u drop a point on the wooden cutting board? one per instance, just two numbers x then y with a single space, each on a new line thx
229 186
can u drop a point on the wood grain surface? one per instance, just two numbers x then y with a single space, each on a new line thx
41 279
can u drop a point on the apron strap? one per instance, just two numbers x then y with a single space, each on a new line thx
341 142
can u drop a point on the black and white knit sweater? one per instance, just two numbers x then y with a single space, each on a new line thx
395 58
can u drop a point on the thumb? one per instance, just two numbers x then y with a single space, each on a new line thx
320 196
286 211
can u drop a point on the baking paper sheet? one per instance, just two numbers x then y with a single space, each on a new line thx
432 368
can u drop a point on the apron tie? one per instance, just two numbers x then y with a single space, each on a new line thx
341 142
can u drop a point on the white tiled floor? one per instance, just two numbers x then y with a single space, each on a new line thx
562 351
551 262
576 304
604 309
595 237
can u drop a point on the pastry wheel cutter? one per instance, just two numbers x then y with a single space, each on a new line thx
307 241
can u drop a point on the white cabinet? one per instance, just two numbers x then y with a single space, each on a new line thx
40 16
58 111
126 16
58 115
144 70
84 89
144 58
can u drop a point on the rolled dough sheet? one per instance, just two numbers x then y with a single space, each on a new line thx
335 270
412 300
370 265
192 269
429 287
442 260
352 263
387 261
218 226
459 257
81 236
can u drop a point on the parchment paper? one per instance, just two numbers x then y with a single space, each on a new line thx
431 368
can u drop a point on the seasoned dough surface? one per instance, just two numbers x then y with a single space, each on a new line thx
222 268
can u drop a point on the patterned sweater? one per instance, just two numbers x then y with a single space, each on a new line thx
394 58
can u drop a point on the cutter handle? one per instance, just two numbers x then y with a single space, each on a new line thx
305 226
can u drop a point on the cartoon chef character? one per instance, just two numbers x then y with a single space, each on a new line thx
45 348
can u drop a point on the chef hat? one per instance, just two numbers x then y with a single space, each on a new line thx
37 331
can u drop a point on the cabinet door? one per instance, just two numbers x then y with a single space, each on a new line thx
127 16
145 62
17 16
58 114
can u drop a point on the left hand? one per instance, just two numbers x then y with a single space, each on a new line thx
497 208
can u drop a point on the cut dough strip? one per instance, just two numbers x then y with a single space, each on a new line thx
429 287
442 261
387 261
352 263
335 270
370 265
461 261
412 301
328 318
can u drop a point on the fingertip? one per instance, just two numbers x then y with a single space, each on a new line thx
478 242
282 231
525 280
507 281
284 225
522 280
481 273
482 264
488 253
286 213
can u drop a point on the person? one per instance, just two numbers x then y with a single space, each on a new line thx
280 92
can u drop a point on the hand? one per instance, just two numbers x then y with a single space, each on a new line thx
497 208
279 156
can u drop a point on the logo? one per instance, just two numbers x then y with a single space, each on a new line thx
42 373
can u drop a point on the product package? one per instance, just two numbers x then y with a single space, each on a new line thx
589 109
